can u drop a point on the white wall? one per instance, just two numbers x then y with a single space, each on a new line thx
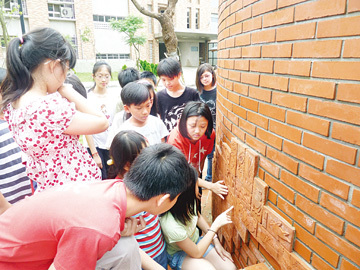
111 7
189 58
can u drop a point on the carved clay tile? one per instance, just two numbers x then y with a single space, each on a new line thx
245 196
278 227
258 200
251 165
240 165
241 229
259 266
250 223
233 156
268 242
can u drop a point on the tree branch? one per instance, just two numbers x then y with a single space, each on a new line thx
144 11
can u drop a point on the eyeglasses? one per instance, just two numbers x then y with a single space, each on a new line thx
102 76
70 71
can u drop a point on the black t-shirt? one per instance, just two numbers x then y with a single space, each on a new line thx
209 97
170 109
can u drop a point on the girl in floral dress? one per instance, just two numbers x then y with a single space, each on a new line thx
46 116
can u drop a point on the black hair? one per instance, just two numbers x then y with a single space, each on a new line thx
148 75
195 108
159 169
25 54
96 67
154 109
76 84
125 147
187 205
169 67
128 75
201 69
134 93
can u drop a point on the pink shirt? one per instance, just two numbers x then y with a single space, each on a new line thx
71 225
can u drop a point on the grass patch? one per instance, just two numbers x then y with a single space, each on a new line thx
87 76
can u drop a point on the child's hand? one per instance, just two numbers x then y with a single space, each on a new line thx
223 219
221 251
98 161
65 90
133 225
219 189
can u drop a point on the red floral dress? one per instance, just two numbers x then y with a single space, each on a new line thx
53 157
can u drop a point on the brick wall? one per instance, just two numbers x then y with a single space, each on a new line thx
289 107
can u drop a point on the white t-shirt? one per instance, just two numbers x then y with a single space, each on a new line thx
154 130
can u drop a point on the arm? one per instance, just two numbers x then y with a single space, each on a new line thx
94 153
218 187
147 263
4 204
52 267
198 250
86 120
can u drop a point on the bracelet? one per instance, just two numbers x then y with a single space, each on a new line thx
96 153
210 230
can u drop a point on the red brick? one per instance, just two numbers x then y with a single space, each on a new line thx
242 40
258 119
235 53
242 89
304 154
263 7
318 9
243 14
234 97
234 75
320 214
338 111
251 51
248 2
353 5
304 220
250 255
317 49
293 67
235 6
239 111
353 234
238 133
272 197
264 36
356 198
324 181
277 50
252 24
285 131
337 70
249 103
285 3
340 208
269 138
230 20
270 259
250 78
229 85
330 148
338 244
349 92
255 250
296 32
278 186
270 167
283 160
274 82
313 243
346 265
233 118
279 17
229 64
242 65
260 94
318 263
256 144
313 88
248 127
343 171
265 66
341 27
308 122
301 186
302 250
272 111
230 42
351 48
290 101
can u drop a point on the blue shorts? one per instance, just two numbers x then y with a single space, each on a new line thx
175 261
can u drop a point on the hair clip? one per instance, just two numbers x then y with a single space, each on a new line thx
110 162
21 40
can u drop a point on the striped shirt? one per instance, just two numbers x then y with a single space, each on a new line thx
150 239
14 183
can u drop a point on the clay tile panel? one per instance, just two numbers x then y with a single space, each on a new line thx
258 200
251 166
259 266
278 227
250 223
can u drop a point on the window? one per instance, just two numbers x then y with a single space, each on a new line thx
150 21
112 56
13 6
188 18
61 9
106 18
214 22
212 53
197 18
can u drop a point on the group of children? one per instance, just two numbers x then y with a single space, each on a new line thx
80 224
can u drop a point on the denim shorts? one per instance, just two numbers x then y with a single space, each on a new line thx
175 261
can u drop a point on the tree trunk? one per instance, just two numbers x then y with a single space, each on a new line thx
3 25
